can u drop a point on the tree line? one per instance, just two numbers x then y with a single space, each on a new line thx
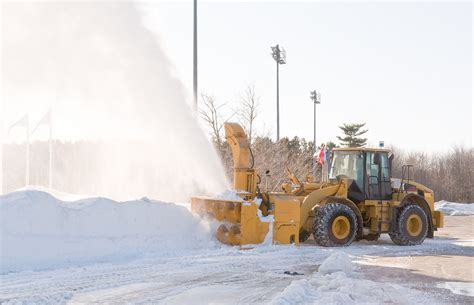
450 174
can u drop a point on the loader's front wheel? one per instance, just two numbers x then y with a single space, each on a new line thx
412 226
304 235
335 225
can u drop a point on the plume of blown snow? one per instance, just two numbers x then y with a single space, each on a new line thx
108 80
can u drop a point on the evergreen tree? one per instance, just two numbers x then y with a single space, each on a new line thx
352 133
330 145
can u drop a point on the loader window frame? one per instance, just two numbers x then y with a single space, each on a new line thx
372 176
377 176
350 164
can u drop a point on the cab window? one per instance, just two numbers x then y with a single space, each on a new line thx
378 176
349 164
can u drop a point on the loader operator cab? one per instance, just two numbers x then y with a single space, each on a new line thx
368 171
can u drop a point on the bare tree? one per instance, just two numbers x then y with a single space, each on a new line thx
210 113
250 103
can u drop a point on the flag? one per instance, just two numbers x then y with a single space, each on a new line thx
322 156
23 122
46 120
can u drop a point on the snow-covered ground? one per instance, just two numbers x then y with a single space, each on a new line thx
100 251
455 209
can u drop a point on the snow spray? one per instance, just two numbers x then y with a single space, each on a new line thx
109 81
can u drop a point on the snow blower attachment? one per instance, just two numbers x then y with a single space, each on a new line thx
240 222
360 201
243 221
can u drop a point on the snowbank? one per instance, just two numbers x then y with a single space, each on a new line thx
298 292
455 209
338 261
55 193
40 231
338 284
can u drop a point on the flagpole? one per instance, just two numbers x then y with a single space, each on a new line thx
50 151
27 178
1 156
1 167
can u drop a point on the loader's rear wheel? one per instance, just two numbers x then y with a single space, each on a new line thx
412 226
335 225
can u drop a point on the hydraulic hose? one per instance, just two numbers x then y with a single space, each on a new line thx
251 154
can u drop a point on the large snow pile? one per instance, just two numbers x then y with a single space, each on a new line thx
55 193
339 284
455 209
40 231
338 261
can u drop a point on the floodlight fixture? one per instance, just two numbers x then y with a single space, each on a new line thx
315 97
279 54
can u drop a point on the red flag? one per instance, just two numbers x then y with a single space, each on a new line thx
321 157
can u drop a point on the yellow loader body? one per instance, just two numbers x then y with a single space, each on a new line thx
329 210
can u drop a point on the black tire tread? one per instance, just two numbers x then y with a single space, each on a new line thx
398 236
321 224
304 235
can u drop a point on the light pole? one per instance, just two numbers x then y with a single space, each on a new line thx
316 98
279 55
195 64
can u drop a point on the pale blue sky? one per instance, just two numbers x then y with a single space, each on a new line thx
403 68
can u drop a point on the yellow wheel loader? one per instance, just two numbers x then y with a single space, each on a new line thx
360 201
